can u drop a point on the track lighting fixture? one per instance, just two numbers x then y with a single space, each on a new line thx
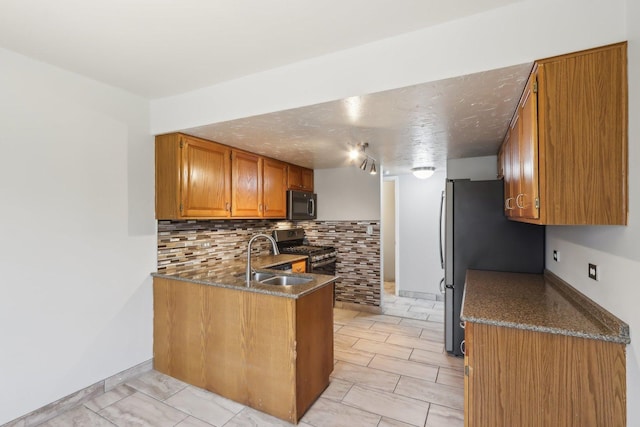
360 151
363 166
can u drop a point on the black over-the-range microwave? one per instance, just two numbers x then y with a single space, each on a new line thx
301 205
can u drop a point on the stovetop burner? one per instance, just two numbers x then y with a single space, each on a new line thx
304 249
321 259
292 241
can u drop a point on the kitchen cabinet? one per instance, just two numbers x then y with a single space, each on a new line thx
521 148
539 353
246 172
192 178
524 378
259 186
272 353
569 164
300 178
201 179
274 188
299 266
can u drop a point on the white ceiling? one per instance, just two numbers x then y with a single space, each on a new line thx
158 48
420 125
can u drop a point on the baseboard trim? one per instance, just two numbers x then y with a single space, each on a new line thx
66 403
421 295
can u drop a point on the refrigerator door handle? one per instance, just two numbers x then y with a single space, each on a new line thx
440 230
447 215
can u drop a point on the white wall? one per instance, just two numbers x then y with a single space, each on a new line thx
498 38
615 250
347 194
78 234
474 168
418 265
388 229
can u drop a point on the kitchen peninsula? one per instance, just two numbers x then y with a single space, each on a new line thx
268 347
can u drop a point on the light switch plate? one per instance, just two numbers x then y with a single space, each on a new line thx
593 271
556 256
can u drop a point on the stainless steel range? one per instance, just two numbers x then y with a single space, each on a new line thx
321 259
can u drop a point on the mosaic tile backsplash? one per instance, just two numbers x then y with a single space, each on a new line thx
191 245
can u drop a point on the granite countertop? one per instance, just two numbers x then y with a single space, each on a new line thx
231 274
536 302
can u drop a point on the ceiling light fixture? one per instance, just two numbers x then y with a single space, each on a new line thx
423 172
360 151
363 166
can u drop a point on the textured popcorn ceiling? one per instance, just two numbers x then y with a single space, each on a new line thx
422 125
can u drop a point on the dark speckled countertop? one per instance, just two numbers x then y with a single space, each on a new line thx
537 302
231 274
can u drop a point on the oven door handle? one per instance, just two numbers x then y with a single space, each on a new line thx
323 263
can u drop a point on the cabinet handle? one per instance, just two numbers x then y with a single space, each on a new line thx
518 201
462 348
227 206
463 324
266 207
507 204
260 207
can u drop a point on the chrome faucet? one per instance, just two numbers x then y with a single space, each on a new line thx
275 252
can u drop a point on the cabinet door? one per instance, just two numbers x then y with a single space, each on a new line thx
205 179
507 171
582 105
528 199
294 174
300 178
274 188
299 266
247 184
514 163
307 179
468 374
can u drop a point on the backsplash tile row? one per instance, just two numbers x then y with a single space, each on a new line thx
190 245
358 257
195 244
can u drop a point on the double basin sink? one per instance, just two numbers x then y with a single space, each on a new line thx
267 278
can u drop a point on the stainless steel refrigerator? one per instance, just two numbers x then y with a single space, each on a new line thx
477 235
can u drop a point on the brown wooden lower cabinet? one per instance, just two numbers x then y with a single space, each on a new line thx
271 353
525 378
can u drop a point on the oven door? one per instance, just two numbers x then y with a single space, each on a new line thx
326 266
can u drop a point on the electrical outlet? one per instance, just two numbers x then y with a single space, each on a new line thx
206 244
369 229
593 271
556 256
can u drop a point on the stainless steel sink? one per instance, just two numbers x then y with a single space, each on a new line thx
275 279
286 280
260 276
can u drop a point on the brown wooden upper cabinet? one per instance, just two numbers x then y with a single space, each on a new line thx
246 188
274 189
564 158
196 178
300 178
192 178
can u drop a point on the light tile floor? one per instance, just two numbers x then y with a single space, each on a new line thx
390 371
